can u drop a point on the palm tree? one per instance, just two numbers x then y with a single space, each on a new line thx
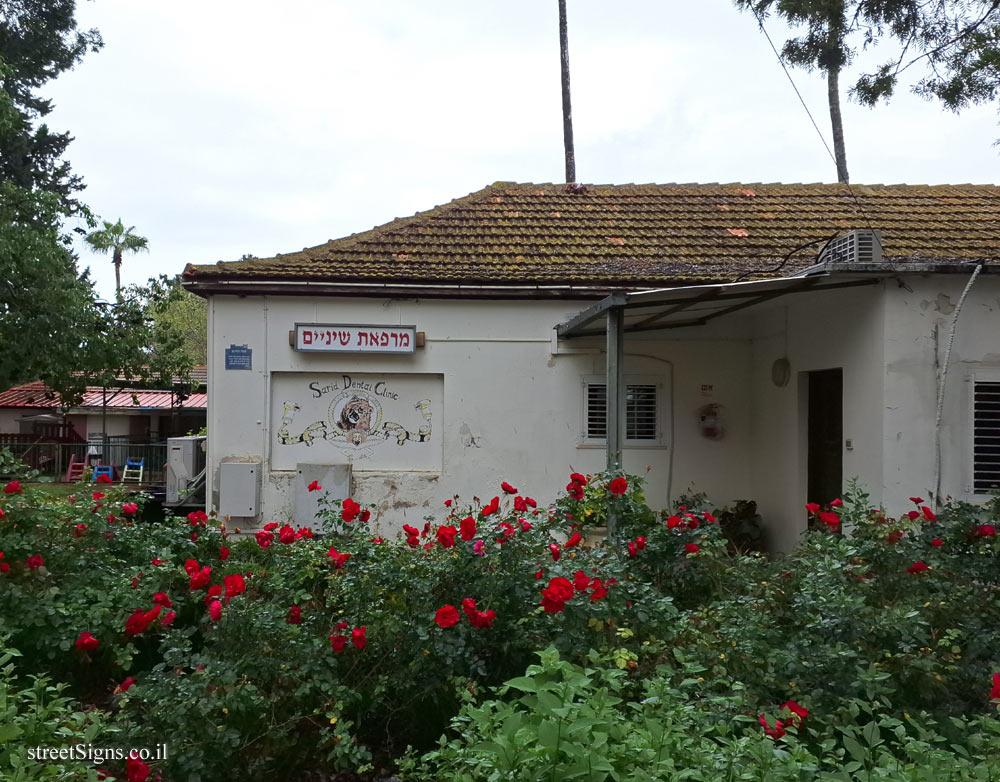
116 239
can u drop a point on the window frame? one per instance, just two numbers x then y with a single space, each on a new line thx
992 377
657 381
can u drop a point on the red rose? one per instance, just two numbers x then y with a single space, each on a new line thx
632 549
798 713
126 685
349 510
618 486
162 599
894 537
365 515
135 769
35 561
447 503
929 515
507 488
140 620
129 509
87 642
197 518
271 527
358 637
14 487
520 505
579 480
78 530
708 517
691 548
832 520
917 567
314 486
338 558
913 515
491 508
560 589
446 616
995 692
581 581
294 615
235 585
478 619
215 611
168 618
201 578
837 503
446 536
917 500
264 538
937 542
673 521
985 531
190 566
287 535
223 553
337 642
574 540
556 553
776 732
598 589
812 507
468 528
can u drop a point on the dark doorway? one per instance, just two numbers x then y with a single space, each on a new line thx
826 434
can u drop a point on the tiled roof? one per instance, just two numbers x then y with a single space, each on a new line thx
637 235
36 395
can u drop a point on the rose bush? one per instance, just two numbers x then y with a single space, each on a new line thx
289 651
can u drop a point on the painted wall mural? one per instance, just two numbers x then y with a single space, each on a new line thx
375 421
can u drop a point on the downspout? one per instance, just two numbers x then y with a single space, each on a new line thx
942 378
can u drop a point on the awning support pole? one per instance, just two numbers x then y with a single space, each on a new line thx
615 399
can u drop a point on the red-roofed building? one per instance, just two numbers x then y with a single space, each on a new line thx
768 342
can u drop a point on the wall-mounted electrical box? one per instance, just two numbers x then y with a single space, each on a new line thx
239 488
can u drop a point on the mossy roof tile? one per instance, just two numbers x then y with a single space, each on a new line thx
637 235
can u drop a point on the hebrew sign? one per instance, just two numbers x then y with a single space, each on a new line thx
341 338
379 422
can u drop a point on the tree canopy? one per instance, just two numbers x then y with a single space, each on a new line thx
53 327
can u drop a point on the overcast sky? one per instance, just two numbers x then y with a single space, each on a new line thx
219 129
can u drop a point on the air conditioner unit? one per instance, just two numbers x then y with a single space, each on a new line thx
856 247
185 468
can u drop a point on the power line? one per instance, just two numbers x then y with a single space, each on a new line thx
781 62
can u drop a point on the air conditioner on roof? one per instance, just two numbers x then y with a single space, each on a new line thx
861 246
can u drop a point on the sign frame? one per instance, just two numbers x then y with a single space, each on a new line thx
353 342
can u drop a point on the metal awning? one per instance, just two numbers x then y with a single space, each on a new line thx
695 305
671 308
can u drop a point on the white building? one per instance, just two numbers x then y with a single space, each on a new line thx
445 352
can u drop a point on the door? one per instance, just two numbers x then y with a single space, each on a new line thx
826 434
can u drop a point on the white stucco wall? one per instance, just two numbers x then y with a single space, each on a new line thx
511 410
815 331
919 313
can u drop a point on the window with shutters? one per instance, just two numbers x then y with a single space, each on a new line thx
643 415
985 436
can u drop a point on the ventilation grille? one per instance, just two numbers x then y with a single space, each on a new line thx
986 437
862 246
641 422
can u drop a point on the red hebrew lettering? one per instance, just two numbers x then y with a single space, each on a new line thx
384 339
406 339
307 337
373 336
345 337
329 337
362 338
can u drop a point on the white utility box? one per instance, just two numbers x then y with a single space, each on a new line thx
336 482
185 467
239 488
